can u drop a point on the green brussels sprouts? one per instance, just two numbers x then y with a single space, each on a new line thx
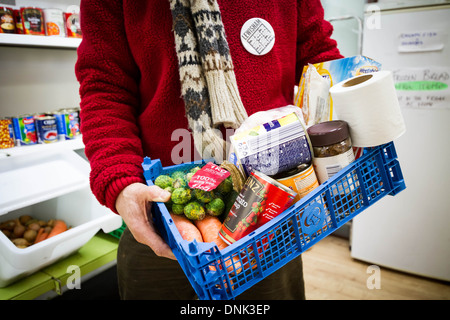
179 183
178 208
194 170
178 174
225 186
203 196
194 211
189 176
181 195
163 181
215 207
169 189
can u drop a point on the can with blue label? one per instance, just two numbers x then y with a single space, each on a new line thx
68 125
24 130
46 129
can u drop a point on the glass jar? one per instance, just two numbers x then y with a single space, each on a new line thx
332 147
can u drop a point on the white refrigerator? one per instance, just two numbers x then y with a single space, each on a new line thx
411 231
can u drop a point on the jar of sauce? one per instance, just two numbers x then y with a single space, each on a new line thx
332 147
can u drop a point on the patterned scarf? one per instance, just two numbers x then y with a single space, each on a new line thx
208 83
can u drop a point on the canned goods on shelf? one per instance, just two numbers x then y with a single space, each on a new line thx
24 130
7 24
46 129
67 122
33 21
6 133
54 22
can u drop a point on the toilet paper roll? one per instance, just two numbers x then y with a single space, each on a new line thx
369 104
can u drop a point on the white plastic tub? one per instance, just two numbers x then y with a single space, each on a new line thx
48 185
78 209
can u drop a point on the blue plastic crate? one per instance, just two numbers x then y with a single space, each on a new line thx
223 275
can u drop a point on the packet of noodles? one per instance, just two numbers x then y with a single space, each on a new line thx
314 100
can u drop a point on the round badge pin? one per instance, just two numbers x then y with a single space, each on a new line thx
257 36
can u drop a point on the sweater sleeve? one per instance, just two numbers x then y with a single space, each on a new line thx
108 78
314 43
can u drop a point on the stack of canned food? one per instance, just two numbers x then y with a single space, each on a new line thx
31 129
43 22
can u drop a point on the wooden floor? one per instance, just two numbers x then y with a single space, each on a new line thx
330 273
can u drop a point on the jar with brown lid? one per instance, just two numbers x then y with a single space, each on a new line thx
332 147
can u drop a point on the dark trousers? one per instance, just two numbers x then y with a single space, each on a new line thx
144 276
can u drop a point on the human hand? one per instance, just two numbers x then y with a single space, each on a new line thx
133 204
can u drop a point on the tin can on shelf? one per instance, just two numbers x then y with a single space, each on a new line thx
18 20
260 200
6 133
73 27
24 130
54 22
33 21
7 24
67 124
46 129
302 180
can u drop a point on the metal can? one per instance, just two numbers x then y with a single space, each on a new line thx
46 129
73 27
67 124
6 133
260 200
33 21
24 130
54 22
7 24
302 180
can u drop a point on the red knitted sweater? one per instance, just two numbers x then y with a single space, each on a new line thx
129 83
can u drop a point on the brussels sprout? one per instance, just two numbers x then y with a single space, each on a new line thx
194 170
215 207
178 208
178 174
203 196
181 195
194 211
169 189
163 181
225 186
189 176
179 183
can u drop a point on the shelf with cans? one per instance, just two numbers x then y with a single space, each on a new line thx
40 27
35 132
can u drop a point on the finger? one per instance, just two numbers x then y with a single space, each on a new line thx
154 241
157 194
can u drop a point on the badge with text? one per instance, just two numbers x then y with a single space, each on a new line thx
208 177
257 36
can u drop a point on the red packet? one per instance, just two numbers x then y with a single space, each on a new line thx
208 177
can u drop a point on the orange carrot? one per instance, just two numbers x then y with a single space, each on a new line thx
209 228
187 229
59 227
41 235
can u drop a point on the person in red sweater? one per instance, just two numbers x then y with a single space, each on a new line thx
131 103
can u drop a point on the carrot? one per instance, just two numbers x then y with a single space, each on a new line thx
41 235
59 227
187 229
209 228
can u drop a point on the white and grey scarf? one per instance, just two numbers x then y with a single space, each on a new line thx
208 83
